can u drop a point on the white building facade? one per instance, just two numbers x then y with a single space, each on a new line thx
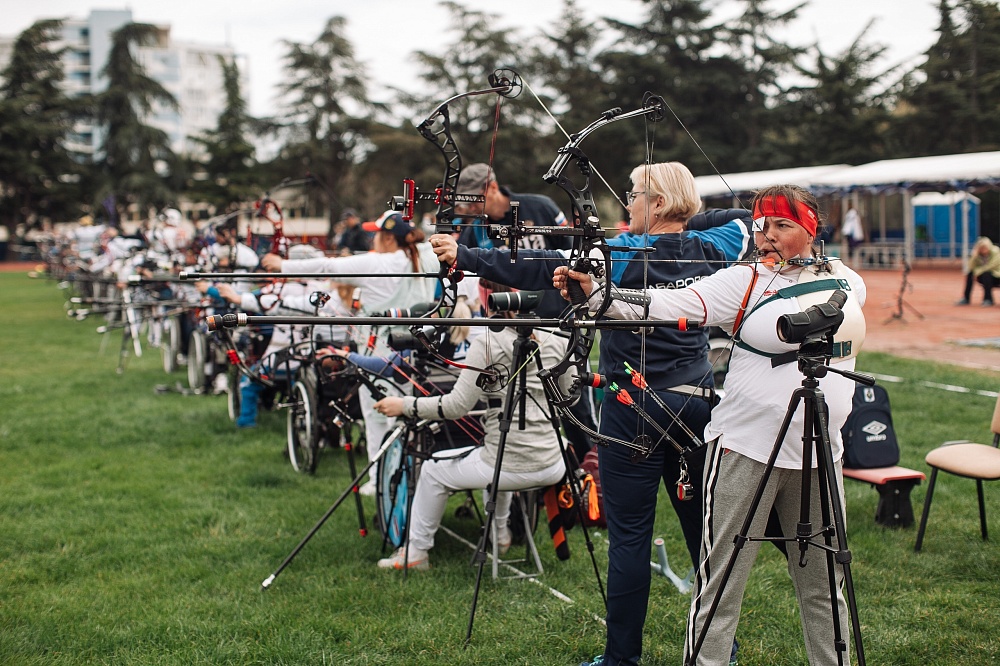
192 73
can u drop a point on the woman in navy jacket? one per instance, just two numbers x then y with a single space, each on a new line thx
687 245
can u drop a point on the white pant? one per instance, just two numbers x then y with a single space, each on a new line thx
440 478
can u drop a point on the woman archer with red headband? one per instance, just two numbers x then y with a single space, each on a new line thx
747 301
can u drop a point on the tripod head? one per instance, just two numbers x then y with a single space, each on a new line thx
814 357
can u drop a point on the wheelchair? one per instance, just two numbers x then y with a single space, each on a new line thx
412 442
323 408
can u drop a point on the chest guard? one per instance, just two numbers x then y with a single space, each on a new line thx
815 285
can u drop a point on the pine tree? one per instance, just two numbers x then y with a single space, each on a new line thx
228 172
568 63
841 116
135 158
37 172
327 112
477 47
758 116
671 53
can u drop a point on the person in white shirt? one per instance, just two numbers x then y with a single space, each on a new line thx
531 456
747 301
851 230
397 248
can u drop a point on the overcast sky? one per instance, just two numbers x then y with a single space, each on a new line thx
385 32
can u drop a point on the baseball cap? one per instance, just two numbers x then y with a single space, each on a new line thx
348 212
392 221
474 178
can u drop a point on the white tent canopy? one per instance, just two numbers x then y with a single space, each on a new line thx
952 169
713 186
951 172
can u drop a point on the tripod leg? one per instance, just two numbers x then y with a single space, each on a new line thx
720 580
572 464
362 526
835 581
490 506
516 393
833 483
291 556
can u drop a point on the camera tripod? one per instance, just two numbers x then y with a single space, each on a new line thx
812 356
352 488
525 348
901 303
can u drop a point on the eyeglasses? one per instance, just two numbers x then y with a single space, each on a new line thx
630 196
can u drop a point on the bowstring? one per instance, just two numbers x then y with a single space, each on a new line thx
498 105
640 423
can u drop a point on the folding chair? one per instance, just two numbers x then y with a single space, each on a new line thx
964 458
528 503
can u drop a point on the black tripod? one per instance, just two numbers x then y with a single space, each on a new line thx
901 302
525 348
812 356
352 488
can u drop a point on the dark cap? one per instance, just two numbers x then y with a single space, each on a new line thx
348 212
474 178
390 221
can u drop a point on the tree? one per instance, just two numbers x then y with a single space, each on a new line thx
671 53
566 68
842 111
228 174
327 112
950 102
134 157
761 61
37 171
981 41
477 50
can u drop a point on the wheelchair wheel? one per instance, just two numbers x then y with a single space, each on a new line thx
394 489
170 343
302 444
719 350
197 357
233 392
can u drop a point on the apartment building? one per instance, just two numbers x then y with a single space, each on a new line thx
191 72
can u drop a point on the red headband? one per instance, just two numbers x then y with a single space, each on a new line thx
778 206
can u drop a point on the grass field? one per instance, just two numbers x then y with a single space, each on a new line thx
136 528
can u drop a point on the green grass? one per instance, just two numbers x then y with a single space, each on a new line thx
136 528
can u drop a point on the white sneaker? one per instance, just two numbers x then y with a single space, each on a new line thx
367 489
418 560
182 360
221 384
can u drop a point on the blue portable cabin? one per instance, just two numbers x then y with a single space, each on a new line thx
946 224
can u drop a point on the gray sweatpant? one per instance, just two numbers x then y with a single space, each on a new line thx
730 482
